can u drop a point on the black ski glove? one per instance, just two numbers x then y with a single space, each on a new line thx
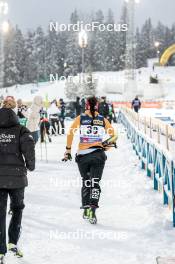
67 156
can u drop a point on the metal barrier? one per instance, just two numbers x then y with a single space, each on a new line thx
155 159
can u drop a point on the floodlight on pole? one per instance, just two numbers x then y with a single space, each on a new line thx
5 27
130 38
4 8
82 39
156 44
83 42
130 60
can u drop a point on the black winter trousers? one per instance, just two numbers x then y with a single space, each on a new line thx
44 130
62 126
55 126
91 169
16 206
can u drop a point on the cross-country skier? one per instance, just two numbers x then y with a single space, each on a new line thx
17 155
91 155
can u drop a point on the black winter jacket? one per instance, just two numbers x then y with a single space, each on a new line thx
103 109
17 151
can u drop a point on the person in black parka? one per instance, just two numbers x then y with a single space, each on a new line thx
136 104
103 108
62 116
77 106
17 155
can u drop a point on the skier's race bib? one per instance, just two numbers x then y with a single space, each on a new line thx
91 134
136 103
91 130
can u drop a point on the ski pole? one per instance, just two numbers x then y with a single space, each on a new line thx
45 142
41 151
46 151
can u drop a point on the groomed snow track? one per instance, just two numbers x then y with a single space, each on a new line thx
133 225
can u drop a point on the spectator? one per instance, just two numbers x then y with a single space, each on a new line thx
34 117
21 109
77 106
62 115
83 105
103 108
17 155
136 104
53 114
111 113
44 126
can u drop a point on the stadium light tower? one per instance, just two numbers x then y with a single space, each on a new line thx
130 59
4 7
83 42
157 45
4 28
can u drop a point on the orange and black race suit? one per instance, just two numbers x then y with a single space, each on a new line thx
91 157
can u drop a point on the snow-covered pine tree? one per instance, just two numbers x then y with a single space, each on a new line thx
147 41
52 53
99 45
30 75
173 33
11 73
72 89
168 37
34 57
40 50
164 35
73 51
140 59
90 87
111 39
19 43
159 35
62 41
122 38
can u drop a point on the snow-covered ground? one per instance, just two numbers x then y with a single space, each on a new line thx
29 91
111 84
133 225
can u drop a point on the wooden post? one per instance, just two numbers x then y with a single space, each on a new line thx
167 139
